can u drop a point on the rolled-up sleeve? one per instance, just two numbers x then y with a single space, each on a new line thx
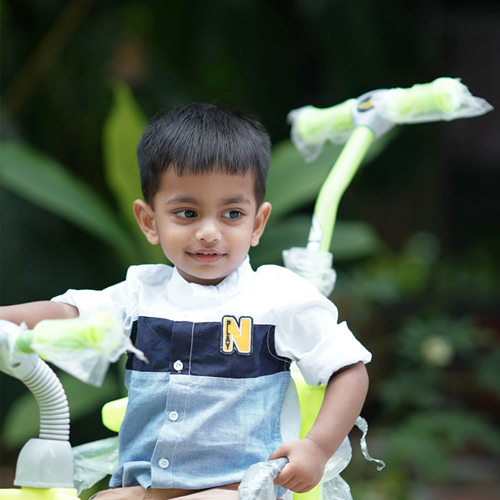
321 346
112 300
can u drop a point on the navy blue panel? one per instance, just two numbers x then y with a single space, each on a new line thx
133 339
198 347
153 338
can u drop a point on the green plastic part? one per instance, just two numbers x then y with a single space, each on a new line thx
23 342
443 94
78 333
25 493
113 413
337 120
310 399
339 179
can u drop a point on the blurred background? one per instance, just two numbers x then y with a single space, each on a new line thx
417 243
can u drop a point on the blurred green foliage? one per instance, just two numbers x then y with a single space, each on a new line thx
44 182
436 375
79 80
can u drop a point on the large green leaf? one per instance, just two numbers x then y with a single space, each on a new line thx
278 236
293 183
354 240
351 240
22 421
44 182
121 134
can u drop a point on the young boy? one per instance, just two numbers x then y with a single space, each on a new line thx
215 396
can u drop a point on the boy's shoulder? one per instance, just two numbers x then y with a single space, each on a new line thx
279 277
285 292
277 272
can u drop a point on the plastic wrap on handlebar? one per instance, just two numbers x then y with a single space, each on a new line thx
83 347
443 99
312 127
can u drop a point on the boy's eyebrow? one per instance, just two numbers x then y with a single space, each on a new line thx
226 201
236 199
181 199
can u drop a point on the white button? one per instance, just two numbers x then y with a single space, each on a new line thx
173 415
163 463
178 365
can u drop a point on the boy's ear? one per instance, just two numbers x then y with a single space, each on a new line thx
260 222
146 220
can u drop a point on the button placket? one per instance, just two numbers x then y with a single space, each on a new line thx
172 430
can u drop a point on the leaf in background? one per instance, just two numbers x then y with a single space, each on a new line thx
354 240
279 236
351 240
22 421
121 134
293 183
426 440
488 372
379 145
47 184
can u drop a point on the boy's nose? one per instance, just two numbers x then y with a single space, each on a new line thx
208 231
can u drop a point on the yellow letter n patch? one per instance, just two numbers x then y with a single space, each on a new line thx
237 335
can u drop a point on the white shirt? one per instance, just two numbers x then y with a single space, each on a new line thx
216 395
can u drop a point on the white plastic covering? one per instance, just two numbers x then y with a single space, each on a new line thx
312 127
257 483
94 461
83 347
362 425
313 265
15 364
45 463
444 99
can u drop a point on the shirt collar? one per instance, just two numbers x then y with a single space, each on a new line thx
178 289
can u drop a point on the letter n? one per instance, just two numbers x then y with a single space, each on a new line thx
237 335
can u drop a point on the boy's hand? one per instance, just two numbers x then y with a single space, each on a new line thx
305 467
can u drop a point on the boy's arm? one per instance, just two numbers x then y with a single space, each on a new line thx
344 398
34 312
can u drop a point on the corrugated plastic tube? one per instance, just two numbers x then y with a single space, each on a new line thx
52 401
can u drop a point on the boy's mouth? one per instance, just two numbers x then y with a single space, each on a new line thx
206 257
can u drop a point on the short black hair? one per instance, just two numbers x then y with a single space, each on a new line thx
202 138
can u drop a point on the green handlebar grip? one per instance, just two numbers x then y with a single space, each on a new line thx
336 120
443 94
23 342
78 333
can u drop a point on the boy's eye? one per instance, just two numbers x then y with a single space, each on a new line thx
186 214
233 214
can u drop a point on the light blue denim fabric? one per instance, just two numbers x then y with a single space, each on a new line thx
194 432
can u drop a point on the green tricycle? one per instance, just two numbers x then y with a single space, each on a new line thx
49 469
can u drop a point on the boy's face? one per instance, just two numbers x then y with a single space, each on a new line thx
205 223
